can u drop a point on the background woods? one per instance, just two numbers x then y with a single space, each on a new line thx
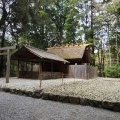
45 23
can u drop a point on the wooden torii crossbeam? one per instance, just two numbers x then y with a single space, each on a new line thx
7 52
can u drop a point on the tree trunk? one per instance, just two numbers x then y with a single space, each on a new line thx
1 57
99 62
109 47
92 33
3 30
117 50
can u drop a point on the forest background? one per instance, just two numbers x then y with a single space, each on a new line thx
45 23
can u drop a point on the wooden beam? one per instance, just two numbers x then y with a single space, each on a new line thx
10 47
5 53
26 60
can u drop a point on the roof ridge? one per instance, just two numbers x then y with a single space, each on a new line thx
70 46
34 48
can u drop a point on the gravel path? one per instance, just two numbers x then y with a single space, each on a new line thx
14 107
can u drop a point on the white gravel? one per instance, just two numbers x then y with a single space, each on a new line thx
30 84
14 107
99 89
106 89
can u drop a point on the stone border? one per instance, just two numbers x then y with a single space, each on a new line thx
34 94
114 106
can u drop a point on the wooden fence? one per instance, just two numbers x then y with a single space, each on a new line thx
83 71
35 74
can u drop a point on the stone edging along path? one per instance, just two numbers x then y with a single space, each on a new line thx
114 106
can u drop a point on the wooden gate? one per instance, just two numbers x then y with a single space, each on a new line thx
7 52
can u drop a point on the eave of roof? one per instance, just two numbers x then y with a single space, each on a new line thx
43 54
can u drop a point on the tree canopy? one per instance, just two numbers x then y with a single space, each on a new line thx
51 22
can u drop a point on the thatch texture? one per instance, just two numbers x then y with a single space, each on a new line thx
69 52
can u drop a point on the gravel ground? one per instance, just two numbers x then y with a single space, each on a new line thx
14 107
101 89
96 89
31 85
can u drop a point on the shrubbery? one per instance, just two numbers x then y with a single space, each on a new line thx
112 71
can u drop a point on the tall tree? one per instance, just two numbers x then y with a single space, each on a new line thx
58 12
3 27
113 10
86 9
72 24
19 18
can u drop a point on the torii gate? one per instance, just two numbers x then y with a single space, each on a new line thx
7 49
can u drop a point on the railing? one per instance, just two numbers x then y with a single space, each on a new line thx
28 74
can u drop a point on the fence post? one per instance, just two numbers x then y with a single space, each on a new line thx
62 78
41 81
82 75
74 77
85 72
88 76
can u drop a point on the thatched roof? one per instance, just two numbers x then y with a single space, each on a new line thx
69 51
31 54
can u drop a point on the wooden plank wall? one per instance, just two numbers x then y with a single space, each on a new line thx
83 71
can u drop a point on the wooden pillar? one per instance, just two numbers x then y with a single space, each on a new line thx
31 66
85 71
8 66
26 70
8 60
40 74
51 69
62 79
32 74
93 61
40 71
18 69
26 66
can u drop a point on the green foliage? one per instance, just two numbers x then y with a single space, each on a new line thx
58 12
19 15
44 23
93 56
112 71
118 10
71 26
